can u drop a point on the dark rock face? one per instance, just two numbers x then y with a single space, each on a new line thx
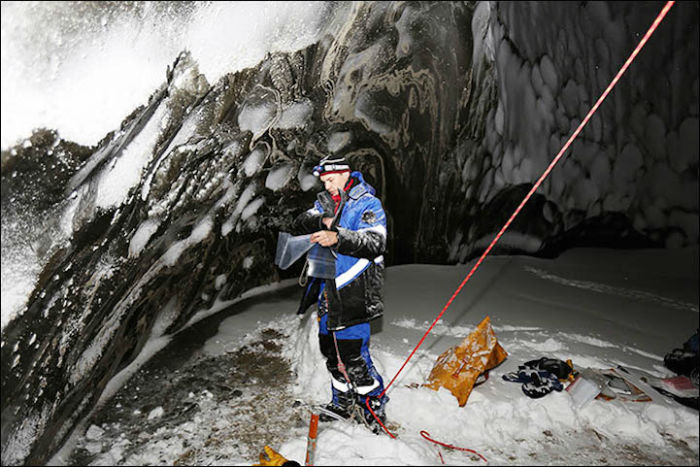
451 110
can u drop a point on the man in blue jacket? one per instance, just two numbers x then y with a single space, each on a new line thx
350 220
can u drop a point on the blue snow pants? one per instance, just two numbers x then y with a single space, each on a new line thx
353 347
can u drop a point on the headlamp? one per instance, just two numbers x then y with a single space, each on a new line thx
330 168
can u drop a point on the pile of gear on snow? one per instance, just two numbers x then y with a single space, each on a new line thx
542 376
464 366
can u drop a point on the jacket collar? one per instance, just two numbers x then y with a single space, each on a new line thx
360 188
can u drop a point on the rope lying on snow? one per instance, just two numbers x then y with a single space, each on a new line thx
534 188
426 435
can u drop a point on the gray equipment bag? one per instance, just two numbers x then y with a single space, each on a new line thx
321 262
290 248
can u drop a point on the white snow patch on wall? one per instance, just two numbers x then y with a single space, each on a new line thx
308 182
220 281
252 208
156 413
306 179
254 162
257 118
242 202
116 180
199 233
279 177
245 198
142 235
295 115
226 228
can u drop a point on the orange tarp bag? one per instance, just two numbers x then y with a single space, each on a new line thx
458 368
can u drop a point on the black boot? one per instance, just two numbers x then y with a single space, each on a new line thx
341 405
378 407
681 361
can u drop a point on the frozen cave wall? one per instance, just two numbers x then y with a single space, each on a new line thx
631 177
452 111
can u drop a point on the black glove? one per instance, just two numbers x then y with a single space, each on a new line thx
327 204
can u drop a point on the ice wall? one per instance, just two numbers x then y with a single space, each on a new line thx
637 159
639 154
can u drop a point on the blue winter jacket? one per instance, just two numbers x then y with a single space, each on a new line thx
356 294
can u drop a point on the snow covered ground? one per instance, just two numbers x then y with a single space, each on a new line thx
597 307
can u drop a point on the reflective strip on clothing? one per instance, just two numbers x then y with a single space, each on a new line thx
356 269
380 229
362 390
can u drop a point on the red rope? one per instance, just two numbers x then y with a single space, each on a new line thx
600 100
426 435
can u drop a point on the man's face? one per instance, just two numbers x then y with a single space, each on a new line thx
335 182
